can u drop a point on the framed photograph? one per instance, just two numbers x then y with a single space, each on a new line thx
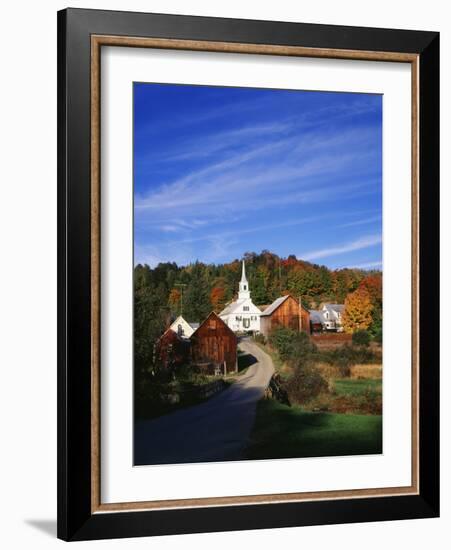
248 274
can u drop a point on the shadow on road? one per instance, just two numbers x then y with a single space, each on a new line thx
245 360
216 430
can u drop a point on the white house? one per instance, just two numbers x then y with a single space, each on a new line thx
183 328
332 315
242 315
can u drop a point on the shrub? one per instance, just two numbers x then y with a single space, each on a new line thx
352 354
377 336
305 384
260 338
328 371
344 367
292 345
361 338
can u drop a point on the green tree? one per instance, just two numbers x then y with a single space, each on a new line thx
257 282
196 300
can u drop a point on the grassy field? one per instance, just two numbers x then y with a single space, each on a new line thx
346 386
349 396
289 432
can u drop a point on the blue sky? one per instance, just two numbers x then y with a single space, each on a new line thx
223 171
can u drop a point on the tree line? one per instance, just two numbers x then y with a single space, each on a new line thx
167 290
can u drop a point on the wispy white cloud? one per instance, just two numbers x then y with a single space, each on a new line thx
169 228
220 142
248 181
358 244
248 108
211 189
364 221
257 228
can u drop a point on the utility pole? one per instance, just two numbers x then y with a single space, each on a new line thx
300 313
181 285
280 278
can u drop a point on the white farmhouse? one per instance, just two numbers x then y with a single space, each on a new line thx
242 315
333 316
183 328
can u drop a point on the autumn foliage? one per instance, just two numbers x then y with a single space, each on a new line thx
174 298
217 298
358 311
373 285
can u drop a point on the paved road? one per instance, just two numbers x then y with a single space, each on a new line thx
216 430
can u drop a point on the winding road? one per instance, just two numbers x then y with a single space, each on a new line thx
215 430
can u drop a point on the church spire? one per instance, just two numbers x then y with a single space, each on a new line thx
243 273
243 286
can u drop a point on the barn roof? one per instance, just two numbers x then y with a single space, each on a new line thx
279 301
316 316
213 314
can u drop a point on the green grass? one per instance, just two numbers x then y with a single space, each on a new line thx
289 432
355 387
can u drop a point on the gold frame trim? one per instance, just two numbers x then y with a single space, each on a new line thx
97 41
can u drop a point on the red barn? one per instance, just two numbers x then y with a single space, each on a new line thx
172 350
214 345
287 312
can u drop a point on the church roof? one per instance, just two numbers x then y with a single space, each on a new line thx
230 308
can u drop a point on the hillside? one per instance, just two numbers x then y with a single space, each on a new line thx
159 291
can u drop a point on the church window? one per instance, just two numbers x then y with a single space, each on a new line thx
245 308
246 323
245 287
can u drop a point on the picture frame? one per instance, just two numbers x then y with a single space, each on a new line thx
81 36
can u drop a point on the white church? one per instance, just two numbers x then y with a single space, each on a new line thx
242 315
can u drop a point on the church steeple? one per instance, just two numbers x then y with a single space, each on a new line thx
244 286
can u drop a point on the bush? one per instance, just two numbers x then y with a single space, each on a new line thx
292 345
305 384
351 354
259 338
344 367
377 336
361 338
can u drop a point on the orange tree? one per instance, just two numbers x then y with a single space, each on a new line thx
358 311
174 299
217 298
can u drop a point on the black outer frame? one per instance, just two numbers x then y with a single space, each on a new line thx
75 520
